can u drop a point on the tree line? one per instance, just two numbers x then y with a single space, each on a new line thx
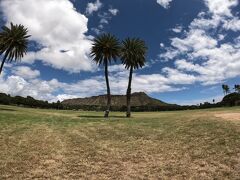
29 101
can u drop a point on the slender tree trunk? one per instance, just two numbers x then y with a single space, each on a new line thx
129 93
108 91
3 61
1 68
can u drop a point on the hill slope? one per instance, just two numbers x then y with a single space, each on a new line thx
138 99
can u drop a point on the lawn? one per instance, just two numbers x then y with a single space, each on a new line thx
202 144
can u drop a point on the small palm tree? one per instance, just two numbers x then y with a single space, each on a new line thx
237 88
105 49
133 54
226 89
13 43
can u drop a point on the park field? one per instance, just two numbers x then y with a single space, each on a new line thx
51 144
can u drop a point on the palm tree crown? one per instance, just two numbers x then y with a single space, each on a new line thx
13 43
133 53
105 48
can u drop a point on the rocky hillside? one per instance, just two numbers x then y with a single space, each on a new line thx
138 99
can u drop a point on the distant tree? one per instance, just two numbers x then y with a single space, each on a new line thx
133 54
213 101
223 88
105 49
13 43
226 89
237 88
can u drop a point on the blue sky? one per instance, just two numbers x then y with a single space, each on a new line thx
194 47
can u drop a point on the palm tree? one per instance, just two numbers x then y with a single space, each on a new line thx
133 53
13 43
237 88
223 88
105 49
226 89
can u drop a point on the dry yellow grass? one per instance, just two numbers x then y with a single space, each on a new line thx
45 144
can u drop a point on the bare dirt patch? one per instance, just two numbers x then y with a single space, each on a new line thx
229 116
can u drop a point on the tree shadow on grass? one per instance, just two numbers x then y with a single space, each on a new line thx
4 109
99 116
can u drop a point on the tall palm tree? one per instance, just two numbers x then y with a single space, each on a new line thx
133 54
13 43
105 49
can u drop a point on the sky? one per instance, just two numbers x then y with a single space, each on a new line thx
193 48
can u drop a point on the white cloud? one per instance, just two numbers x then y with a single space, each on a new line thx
16 85
114 12
164 3
116 68
25 72
196 40
204 52
103 21
177 29
93 7
105 18
175 76
96 30
56 26
62 97
233 24
54 90
221 7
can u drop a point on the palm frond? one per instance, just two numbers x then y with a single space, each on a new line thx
133 53
105 48
13 42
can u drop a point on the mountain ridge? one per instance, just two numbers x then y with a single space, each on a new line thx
138 99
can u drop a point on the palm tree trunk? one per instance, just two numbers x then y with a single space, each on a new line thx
129 93
3 61
108 91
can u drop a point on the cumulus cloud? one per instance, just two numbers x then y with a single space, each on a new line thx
233 24
164 3
93 7
25 72
57 27
16 85
195 40
221 7
54 90
202 52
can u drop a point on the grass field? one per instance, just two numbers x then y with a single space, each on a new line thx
82 145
